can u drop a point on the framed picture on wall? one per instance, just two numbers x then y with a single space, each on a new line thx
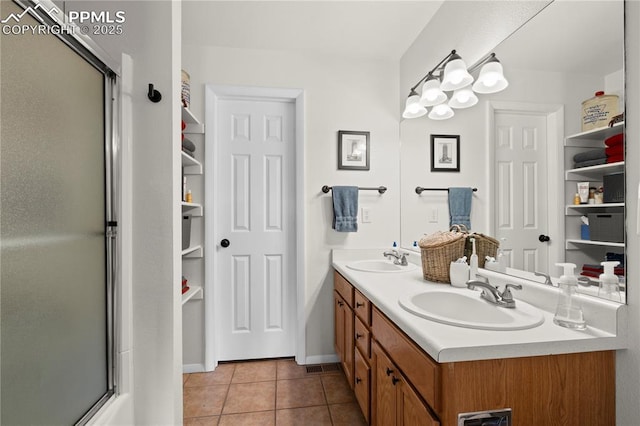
353 150
445 153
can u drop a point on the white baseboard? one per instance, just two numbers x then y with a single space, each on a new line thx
193 368
322 359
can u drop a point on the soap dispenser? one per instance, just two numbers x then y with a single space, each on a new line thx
473 261
569 310
609 282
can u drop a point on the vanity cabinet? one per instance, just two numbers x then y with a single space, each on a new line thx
343 323
398 383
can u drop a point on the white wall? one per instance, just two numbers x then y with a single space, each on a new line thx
628 361
340 94
152 335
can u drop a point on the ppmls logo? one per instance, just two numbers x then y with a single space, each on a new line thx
18 17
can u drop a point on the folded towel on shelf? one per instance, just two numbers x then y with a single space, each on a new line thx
590 163
615 158
345 208
614 150
593 154
188 145
460 206
615 140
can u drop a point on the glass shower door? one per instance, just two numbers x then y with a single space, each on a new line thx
53 262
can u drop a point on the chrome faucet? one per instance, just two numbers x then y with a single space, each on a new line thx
493 295
547 278
400 259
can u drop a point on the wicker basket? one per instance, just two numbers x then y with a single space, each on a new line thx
438 250
485 246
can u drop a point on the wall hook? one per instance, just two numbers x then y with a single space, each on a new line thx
154 95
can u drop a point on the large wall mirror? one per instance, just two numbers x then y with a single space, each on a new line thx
554 62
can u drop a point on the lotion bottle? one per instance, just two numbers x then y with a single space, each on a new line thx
473 261
609 282
569 310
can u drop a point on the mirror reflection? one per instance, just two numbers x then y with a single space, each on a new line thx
525 149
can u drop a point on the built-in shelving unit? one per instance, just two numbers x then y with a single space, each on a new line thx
578 250
194 252
194 209
190 165
193 124
194 293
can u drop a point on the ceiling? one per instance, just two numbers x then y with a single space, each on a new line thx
567 36
363 29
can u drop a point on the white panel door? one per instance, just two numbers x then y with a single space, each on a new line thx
255 255
521 189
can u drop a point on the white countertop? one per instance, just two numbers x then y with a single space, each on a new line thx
606 321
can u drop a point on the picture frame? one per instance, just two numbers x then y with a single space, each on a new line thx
353 150
445 153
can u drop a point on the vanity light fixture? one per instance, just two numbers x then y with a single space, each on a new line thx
452 75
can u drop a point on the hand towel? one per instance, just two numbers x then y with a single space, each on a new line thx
615 140
593 154
345 208
460 206
615 158
615 150
590 163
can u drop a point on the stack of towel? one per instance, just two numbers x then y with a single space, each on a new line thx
592 157
594 271
615 148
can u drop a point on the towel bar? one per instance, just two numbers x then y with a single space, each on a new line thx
419 189
380 189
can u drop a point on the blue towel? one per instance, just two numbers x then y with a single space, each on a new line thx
460 206
345 208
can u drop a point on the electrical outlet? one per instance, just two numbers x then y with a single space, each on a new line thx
366 215
433 215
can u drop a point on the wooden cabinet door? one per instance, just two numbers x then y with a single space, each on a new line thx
410 409
344 340
385 389
361 380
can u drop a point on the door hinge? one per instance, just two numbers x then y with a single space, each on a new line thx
112 229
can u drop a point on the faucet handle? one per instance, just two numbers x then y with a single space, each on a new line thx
506 294
547 278
403 259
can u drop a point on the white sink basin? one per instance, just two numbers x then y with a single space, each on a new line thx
467 309
378 265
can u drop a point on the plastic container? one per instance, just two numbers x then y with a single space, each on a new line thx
613 187
607 227
569 309
473 261
598 111
609 288
459 274
186 232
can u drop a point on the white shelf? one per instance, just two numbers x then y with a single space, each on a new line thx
194 126
190 165
194 293
591 171
194 209
593 243
194 252
599 134
570 207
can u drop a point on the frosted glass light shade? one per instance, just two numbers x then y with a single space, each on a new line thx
463 98
491 78
441 112
413 108
456 75
431 93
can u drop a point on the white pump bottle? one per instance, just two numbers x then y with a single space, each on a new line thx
609 282
473 261
569 309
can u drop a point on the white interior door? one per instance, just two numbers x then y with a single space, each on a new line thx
255 252
521 189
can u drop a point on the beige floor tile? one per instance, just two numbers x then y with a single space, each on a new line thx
347 414
221 375
300 393
336 389
204 401
308 416
185 377
261 418
248 397
254 371
289 369
201 421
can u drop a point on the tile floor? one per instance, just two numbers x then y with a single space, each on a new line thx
270 392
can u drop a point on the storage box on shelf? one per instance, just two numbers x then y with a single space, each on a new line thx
577 249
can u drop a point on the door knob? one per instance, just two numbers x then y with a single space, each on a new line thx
543 238
225 243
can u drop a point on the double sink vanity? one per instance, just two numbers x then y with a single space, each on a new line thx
417 352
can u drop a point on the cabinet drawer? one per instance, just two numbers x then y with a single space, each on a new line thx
417 367
343 287
363 338
362 308
361 383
